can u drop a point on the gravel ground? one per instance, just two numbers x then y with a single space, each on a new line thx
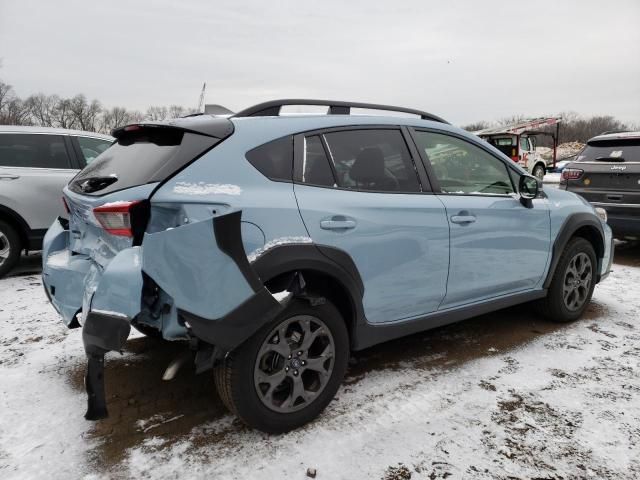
506 395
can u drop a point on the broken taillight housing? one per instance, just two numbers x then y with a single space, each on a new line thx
572 173
126 219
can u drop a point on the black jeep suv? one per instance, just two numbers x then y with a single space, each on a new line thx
607 174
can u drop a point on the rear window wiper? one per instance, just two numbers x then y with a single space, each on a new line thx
94 184
610 159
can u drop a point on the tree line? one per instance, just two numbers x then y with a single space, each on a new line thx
76 113
573 128
82 114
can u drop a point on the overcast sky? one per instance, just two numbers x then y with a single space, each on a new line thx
463 60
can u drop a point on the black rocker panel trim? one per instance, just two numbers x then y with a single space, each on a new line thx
569 227
367 334
228 235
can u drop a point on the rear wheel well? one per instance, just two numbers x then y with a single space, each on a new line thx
324 285
592 235
14 222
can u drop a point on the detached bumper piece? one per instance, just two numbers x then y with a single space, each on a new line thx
102 332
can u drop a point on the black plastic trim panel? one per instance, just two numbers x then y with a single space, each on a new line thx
570 226
237 326
367 334
228 235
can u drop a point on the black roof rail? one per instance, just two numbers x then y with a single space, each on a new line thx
272 108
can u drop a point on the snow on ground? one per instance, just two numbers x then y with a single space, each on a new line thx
505 395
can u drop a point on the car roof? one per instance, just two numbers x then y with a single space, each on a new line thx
615 136
51 131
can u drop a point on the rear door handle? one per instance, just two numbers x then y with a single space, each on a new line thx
463 219
337 224
615 198
8 176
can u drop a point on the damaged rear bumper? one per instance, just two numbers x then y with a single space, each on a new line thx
204 281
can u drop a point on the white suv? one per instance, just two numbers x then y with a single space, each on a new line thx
35 164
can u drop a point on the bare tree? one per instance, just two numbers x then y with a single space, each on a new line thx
117 117
156 113
474 127
41 109
14 112
85 114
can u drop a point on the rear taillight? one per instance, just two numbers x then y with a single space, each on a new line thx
116 218
572 173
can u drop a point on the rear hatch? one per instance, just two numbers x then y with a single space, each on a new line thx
108 200
607 172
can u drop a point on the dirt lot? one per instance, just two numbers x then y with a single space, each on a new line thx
505 395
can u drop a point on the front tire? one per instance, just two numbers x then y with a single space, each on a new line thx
538 172
287 373
9 248
572 284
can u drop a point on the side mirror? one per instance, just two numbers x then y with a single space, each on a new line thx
528 188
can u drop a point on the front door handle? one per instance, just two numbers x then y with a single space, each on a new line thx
8 176
463 219
335 224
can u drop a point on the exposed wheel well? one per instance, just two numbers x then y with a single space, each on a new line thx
12 218
592 236
321 284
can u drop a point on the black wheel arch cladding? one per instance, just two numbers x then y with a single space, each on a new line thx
576 223
237 326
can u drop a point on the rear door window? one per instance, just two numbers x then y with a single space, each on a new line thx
91 147
372 160
316 169
144 155
26 150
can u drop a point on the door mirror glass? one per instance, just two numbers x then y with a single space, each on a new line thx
528 187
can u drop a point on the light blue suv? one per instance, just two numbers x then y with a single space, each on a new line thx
276 244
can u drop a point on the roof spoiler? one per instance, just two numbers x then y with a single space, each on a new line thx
218 127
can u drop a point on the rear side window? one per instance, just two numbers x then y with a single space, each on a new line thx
92 147
33 150
617 150
274 159
141 156
372 160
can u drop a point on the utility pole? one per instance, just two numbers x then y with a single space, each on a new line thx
201 101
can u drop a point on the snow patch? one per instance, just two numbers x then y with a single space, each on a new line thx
202 188
253 256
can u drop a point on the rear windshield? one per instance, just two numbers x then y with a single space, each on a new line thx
142 156
615 150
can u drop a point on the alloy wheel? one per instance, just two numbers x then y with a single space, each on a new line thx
5 248
294 364
577 281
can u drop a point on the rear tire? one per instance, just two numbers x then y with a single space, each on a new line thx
573 282
10 248
287 373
